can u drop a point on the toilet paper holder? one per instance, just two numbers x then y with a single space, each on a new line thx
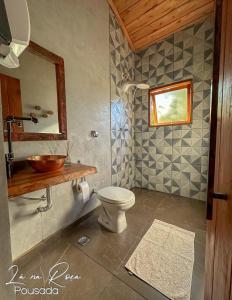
82 179
78 180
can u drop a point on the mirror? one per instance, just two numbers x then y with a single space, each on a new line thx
35 89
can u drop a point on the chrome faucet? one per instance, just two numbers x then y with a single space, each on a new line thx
9 157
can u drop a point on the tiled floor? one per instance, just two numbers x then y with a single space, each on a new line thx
100 263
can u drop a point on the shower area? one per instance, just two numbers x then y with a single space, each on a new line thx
170 159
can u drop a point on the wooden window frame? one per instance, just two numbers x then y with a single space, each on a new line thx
169 88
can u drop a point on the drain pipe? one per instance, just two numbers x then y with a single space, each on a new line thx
49 202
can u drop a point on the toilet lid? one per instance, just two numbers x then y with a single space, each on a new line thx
115 195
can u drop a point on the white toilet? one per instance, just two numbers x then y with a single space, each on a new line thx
115 202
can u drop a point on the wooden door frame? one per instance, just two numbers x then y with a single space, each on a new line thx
214 148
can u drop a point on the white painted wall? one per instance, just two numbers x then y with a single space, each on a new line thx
79 32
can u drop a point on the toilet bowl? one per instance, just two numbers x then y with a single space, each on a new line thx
115 202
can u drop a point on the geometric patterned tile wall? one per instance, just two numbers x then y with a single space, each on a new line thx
122 108
174 159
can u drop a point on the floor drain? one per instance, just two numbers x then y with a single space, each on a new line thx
83 240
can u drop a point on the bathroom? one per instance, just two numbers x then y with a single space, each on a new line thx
100 92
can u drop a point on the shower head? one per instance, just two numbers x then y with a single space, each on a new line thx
142 86
138 85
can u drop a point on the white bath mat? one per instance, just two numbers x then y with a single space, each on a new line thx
164 259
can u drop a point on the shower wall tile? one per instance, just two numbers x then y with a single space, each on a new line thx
122 108
174 159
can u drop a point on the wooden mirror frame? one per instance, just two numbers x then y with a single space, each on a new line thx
61 98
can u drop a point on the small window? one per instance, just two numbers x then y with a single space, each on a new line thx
171 104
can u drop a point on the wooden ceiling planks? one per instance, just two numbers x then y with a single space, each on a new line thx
158 12
145 22
124 4
140 9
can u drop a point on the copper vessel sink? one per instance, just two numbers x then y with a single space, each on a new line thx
46 163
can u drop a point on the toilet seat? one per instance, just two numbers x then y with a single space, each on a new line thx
116 195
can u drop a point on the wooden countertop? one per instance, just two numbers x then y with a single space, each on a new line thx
26 180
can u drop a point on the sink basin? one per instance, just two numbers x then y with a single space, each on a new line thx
46 163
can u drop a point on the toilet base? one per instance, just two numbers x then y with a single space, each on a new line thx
115 222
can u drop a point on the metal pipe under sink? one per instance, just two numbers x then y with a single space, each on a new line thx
49 201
